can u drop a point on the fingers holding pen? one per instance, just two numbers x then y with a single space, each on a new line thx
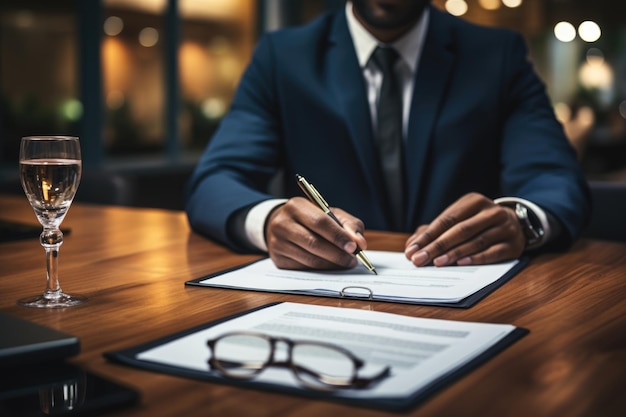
300 236
354 226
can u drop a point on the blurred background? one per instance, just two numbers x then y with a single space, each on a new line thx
144 83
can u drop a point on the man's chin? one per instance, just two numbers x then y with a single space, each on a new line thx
389 14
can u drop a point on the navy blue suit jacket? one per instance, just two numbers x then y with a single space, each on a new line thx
480 121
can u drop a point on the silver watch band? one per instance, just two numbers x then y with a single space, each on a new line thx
537 212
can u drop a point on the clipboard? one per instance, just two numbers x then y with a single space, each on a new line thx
397 403
365 293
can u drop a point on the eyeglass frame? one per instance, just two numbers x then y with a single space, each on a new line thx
354 382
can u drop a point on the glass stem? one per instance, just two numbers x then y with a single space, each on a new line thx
51 240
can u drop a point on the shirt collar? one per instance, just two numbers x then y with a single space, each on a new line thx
409 46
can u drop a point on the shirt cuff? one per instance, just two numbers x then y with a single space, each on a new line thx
254 224
539 213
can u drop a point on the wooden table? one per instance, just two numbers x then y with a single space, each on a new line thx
132 264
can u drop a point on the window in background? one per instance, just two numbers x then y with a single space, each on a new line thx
214 39
38 73
133 76
144 83
217 38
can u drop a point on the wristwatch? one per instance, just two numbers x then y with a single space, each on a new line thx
532 218
533 230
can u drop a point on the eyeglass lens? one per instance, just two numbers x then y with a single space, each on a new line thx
242 355
316 365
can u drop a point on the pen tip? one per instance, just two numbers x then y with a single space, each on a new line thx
374 271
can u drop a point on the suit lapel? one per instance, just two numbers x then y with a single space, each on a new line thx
348 86
432 78
431 81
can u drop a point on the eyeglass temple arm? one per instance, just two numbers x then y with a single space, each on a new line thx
356 382
360 382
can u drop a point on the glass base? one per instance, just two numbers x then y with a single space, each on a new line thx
56 300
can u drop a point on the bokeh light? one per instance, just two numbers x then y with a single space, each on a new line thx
72 109
490 4
512 3
565 31
113 26
24 19
595 72
456 7
589 31
148 37
213 108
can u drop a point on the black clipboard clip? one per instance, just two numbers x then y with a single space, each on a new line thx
368 296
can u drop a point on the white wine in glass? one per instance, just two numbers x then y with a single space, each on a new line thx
50 170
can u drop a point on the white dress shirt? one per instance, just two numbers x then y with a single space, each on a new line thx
408 47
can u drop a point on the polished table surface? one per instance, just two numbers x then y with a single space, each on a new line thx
132 265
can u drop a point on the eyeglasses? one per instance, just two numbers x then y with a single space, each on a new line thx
318 365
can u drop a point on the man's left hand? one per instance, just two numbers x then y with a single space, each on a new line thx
473 230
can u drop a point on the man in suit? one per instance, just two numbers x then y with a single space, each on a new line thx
484 170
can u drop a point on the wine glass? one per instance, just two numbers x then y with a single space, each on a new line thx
50 170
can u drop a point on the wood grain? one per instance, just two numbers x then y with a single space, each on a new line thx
132 265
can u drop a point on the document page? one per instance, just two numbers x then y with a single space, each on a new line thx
419 351
397 279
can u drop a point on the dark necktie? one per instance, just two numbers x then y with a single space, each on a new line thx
388 137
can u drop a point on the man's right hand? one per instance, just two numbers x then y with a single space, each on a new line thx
301 236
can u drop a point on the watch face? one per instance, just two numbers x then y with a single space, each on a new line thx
533 232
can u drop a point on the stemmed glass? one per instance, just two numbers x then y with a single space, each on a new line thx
50 170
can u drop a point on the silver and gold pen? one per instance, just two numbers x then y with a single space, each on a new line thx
312 194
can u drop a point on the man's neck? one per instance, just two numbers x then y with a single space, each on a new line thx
384 35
